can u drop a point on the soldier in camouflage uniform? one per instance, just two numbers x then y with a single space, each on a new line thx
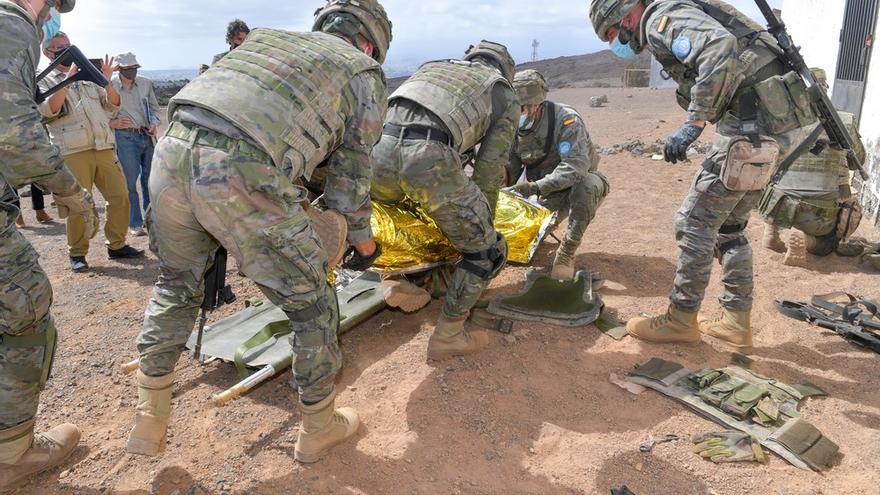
27 330
560 162
814 199
241 134
728 73
442 112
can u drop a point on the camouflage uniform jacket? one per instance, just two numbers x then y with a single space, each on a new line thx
26 154
555 162
494 145
359 107
704 57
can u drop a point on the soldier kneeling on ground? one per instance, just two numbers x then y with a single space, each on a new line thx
442 112
814 199
554 150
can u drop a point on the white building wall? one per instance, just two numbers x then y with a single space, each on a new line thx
815 26
870 129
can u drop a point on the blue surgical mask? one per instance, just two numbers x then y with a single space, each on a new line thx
526 122
623 51
52 25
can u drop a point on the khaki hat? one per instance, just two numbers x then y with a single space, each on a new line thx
127 60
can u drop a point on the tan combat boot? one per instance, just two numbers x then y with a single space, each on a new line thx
451 339
733 327
772 240
323 427
563 264
153 414
674 327
22 453
796 255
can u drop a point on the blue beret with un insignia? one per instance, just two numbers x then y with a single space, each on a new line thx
564 148
681 47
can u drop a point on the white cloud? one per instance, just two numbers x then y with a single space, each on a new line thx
177 34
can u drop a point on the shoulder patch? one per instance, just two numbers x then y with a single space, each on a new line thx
681 47
564 148
569 120
664 21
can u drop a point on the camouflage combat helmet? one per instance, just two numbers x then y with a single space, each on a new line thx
607 13
496 52
531 87
364 17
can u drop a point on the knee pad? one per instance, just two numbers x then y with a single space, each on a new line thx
822 245
487 264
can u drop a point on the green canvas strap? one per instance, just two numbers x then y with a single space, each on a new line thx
271 331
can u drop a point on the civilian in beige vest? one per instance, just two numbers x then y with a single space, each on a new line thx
78 119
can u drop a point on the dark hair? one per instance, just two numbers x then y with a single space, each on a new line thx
235 27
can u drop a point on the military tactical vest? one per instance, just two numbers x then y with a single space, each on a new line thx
822 173
751 57
459 93
284 90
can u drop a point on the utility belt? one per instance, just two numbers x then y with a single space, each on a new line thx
135 130
196 134
419 133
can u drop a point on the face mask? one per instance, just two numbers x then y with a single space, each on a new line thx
526 122
129 74
52 24
623 51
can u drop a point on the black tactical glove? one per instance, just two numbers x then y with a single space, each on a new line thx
526 189
678 143
354 260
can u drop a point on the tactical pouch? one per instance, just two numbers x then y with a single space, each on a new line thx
785 103
807 442
733 395
748 168
848 219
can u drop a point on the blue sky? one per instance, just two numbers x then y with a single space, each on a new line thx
182 34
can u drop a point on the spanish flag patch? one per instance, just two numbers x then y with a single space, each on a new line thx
663 22
569 120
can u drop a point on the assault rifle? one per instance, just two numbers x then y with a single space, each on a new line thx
87 72
838 136
217 293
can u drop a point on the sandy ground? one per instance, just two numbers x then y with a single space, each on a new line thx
532 414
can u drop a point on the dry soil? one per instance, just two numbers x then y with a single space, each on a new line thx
534 413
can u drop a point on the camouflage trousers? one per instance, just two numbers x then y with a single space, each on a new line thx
579 204
209 190
712 218
431 175
25 298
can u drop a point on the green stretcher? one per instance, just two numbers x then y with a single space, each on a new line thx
234 340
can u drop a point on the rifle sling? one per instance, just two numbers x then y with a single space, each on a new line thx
801 148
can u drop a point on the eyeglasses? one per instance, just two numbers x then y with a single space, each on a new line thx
57 49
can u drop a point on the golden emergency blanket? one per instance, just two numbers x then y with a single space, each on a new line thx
411 241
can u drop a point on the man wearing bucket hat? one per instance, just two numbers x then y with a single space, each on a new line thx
135 128
27 330
226 174
554 150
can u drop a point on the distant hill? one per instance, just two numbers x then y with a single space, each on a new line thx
593 70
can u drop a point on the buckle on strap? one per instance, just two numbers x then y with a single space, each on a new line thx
733 229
